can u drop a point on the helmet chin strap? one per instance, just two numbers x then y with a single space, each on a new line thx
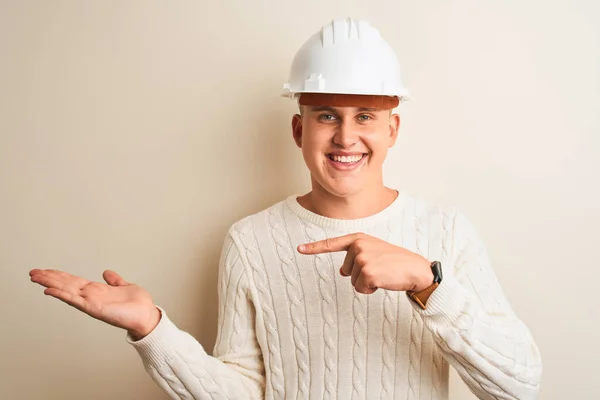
349 100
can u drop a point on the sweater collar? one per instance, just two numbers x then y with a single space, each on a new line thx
358 224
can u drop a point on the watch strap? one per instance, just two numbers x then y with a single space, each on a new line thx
422 296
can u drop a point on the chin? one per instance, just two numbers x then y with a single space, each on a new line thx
343 191
343 188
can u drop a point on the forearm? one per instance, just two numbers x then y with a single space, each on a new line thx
489 346
183 369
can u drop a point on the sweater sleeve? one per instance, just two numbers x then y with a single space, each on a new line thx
180 365
474 326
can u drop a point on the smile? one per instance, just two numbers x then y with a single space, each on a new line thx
346 159
346 162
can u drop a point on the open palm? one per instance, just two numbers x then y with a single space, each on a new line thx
117 303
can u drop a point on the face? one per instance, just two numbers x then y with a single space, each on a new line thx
345 147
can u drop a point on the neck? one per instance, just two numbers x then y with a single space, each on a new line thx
360 205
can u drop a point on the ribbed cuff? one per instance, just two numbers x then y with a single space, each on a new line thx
155 348
445 304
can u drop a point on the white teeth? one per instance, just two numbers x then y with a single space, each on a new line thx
347 159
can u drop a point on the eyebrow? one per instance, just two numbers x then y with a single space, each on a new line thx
333 110
323 108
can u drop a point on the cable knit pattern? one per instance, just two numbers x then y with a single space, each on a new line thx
325 271
295 295
441 254
289 328
360 346
236 338
224 278
416 326
390 313
388 355
247 238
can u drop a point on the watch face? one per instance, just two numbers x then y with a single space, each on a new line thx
436 268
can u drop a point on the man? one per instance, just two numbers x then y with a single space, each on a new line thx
353 290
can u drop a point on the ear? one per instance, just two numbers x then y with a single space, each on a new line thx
394 127
297 129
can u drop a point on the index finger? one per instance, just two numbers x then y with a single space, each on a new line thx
329 245
57 276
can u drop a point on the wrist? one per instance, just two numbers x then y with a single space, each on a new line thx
147 326
424 278
421 295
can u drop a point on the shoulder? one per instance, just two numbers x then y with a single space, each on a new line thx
251 227
449 227
426 209
253 233
454 222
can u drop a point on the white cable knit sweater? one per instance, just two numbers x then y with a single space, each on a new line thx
290 326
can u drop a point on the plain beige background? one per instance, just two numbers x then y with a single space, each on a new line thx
133 133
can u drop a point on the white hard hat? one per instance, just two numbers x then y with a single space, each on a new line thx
346 57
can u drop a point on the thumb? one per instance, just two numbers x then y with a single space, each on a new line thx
113 279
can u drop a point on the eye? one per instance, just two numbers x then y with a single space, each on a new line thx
364 118
327 117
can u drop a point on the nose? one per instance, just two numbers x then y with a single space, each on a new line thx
346 135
